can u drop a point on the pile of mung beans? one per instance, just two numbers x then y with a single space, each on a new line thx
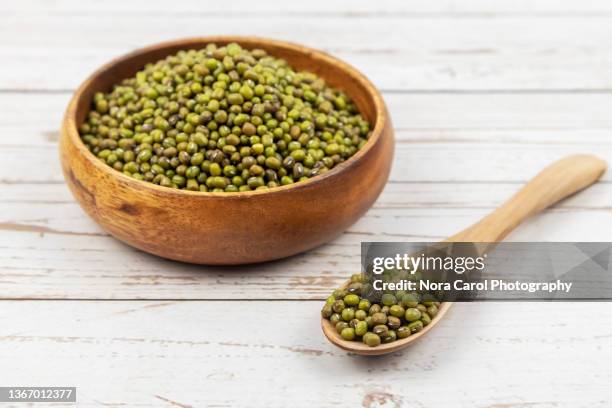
397 316
223 119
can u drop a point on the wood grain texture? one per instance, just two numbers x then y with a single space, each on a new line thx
556 182
134 353
348 8
495 117
440 138
451 47
229 228
483 94
50 249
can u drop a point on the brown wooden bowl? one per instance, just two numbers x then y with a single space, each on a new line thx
229 228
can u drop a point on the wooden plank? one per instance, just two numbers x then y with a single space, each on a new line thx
429 53
427 162
407 195
416 117
441 138
346 8
50 249
191 354
51 205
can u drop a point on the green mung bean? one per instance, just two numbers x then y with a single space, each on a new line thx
396 316
223 118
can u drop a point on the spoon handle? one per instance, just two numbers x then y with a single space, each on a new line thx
556 182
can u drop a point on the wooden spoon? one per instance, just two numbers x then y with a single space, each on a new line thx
556 182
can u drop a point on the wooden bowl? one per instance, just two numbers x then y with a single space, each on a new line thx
229 228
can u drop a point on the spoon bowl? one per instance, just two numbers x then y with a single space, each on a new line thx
360 348
556 182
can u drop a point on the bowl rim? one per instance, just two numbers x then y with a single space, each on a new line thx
70 130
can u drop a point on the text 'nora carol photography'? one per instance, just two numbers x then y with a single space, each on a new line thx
490 271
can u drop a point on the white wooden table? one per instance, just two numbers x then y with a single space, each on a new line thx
482 94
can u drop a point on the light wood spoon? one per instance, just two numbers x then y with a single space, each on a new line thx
556 182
